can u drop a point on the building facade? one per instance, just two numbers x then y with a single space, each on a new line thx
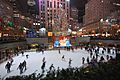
97 11
54 14
74 19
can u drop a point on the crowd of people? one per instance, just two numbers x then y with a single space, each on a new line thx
21 67
70 73
103 71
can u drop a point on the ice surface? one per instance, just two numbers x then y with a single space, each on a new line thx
34 62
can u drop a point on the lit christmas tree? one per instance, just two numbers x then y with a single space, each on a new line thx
60 22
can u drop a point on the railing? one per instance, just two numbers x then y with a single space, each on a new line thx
105 38
3 41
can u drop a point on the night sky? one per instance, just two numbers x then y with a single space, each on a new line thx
78 3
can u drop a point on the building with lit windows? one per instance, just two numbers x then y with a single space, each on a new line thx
74 19
97 13
54 14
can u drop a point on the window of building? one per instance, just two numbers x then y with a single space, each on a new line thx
67 4
47 3
57 4
50 4
63 5
54 4
54 11
67 11
43 8
43 2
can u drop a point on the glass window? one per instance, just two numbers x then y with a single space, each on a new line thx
50 4
57 4
54 4
47 3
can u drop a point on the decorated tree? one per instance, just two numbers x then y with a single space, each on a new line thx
60 22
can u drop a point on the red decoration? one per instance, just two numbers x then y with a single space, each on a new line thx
0 27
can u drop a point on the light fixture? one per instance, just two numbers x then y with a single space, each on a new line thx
31 2
67 0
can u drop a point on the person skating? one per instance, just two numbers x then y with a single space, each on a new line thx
20 67
91 54
101 59
107 57
43 60
59 51
103 52
83 60
42 51
24 65
63 57
88 61
8 66
70 60
22 53
43 66
27 56
51 67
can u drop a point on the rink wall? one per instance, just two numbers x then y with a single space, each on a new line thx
37 41
107 42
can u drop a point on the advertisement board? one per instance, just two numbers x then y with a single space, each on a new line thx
62 42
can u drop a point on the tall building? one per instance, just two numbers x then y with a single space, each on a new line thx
74 13
74 18
97 10
54 14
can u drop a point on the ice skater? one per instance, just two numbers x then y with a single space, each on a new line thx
91 54
22 53
43 60
51 67
107 57
27 56
43 66
20 67
63 57
59 51
83 60
88 61
24 65
42 51
8 66
70 60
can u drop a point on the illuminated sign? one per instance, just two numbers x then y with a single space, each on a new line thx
62 42
49 33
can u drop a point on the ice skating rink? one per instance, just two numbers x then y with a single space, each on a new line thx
34 62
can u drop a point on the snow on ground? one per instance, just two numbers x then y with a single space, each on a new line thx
34 62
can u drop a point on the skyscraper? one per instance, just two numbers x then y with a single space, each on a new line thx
54 14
